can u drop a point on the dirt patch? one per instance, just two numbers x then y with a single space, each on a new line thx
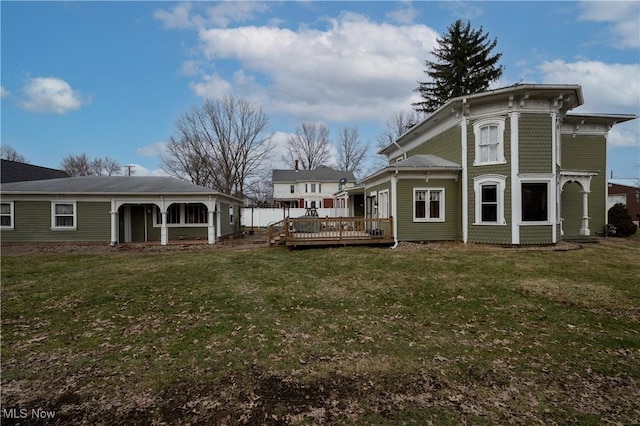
231 243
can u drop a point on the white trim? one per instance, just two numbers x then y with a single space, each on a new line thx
477 127
427 217
54 227
489 179
465 181
11 216
183 216
540 179
394 208
515 184
383 211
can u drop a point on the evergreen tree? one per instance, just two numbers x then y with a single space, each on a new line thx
463 65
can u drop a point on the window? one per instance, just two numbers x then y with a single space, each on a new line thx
319 187
428 205
535 200
195 213
383 204
313 187
179 214
489 136
173 215
231 215
6 215
489 200
306 187
292 188
489 196
63 215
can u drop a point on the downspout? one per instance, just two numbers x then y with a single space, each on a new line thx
394 207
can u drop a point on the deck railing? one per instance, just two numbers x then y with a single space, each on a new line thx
333 230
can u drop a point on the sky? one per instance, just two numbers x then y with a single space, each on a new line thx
110 79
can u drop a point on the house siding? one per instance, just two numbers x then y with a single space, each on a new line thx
536 234
492 234
450 229
32 223
227 228
535 147
585 152
446 145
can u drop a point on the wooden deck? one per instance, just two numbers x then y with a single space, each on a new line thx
308 231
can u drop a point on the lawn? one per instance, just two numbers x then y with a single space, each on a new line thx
441 334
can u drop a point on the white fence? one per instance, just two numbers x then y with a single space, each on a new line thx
259 217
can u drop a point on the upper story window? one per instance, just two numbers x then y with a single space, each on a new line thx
6 215
489 141
313 187
292 188
63 216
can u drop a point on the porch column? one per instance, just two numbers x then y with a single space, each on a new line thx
211 231
585 214
114 224
218 230
164 234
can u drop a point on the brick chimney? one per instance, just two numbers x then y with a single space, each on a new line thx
296 166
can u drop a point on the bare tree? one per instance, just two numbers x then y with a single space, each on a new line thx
309 145
260 189
351 150
395 126
105 166
220 145
9 153
82 165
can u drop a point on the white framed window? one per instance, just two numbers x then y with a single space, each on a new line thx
63 216
183 214
383 204
292 189
489 141
231 215
195 213
535 202
6 215
489 197
428 204
313 187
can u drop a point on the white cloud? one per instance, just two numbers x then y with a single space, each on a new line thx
212 86
611 88
152 150
354 69
623 15
221 15
4 92
140 170
51 94
623 137
404 14
178 17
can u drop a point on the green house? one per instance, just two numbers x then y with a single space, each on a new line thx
114 209
508 166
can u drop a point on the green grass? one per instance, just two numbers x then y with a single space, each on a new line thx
447 335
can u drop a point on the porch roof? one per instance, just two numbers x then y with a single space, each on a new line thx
112 185
421 162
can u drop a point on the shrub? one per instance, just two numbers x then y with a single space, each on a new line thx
619 217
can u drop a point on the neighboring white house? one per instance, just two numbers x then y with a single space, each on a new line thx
309 188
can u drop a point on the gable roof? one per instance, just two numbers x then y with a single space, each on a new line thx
320 174
15 171
111 185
